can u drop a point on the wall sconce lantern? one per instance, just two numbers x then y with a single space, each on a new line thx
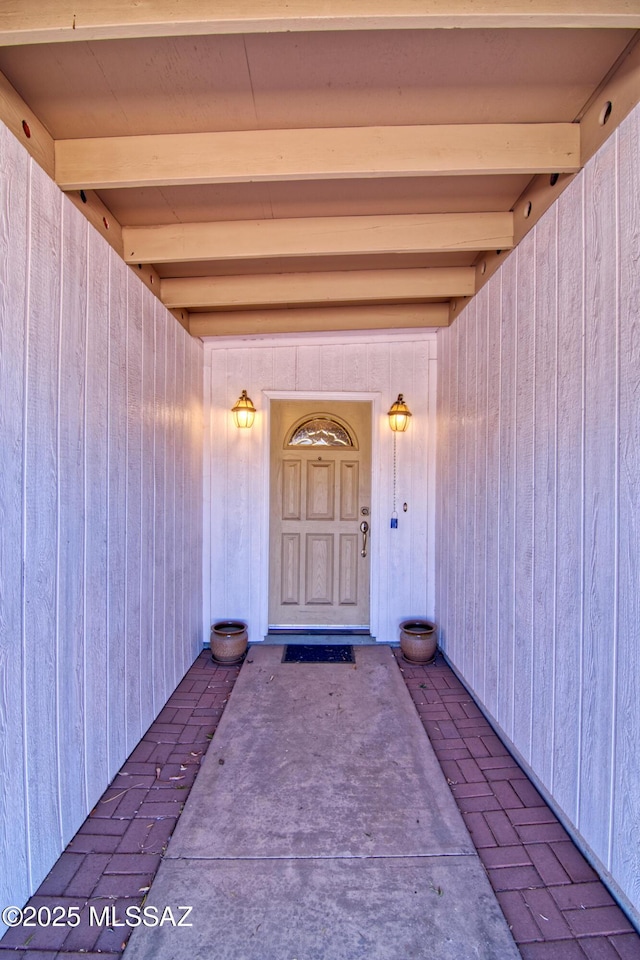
244 411
399 415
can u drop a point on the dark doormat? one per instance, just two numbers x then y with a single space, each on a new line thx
318 653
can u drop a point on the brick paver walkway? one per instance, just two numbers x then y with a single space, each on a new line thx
113 858
555 904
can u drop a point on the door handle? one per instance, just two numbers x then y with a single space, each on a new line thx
364 527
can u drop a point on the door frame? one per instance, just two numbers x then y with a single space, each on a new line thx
325 396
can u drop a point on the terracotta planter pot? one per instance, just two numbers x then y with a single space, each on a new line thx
228 641
418 640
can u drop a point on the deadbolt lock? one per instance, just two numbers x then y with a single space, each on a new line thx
364 511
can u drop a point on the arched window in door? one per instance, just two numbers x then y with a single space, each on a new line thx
320 431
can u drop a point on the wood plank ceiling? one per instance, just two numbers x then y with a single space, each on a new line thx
270 167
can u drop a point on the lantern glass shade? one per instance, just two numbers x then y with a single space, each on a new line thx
399 415
244 411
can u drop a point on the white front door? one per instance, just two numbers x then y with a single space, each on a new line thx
320 514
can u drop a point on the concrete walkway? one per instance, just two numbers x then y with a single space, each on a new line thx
321 827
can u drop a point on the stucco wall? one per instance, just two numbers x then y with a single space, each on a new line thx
100 516
237 465
538 567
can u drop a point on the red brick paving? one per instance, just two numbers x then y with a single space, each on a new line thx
115 854
553 901
555 904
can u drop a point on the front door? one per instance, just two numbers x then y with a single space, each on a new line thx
320 514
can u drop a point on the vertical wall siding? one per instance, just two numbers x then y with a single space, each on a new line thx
625 821
100 516
236 467
539 502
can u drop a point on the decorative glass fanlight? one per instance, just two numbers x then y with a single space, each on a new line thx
320 432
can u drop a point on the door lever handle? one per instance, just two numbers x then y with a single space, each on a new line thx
364 527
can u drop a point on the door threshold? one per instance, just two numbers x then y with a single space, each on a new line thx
319 636
310 631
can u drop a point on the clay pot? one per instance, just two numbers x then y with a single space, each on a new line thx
228 641
418 640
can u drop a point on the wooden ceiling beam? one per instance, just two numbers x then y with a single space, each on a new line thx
240 323
39 143
317 236
614 100
41 21
324 154
298 289
26 127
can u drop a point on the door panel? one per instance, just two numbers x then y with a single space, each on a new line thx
349 490
320 485
291 487
319 568
348 579
290 559
321 490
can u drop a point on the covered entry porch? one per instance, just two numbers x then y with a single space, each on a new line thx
119 538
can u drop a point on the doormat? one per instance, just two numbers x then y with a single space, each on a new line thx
318 653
